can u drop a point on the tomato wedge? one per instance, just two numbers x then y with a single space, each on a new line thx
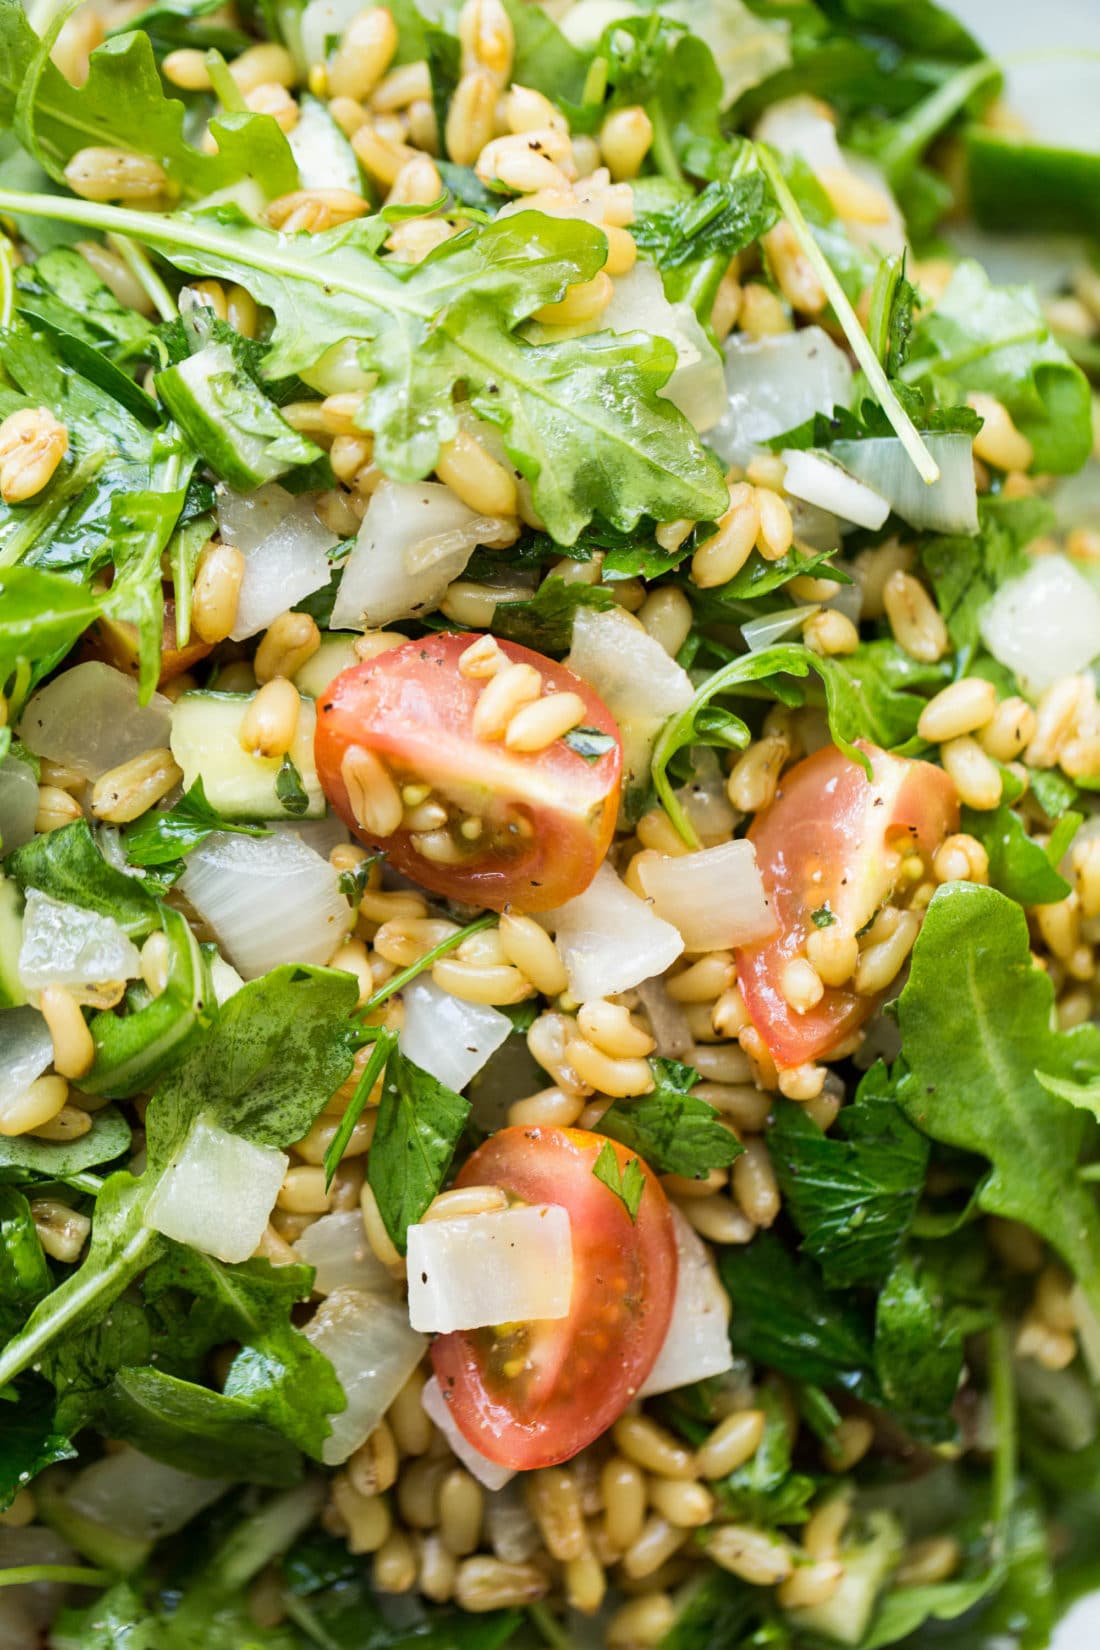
530 1395
482 823
833 842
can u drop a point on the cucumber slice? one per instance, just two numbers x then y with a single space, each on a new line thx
867 1564
228 418
206 743
326 160
12 994
336 653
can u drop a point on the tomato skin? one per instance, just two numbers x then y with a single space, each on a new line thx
823 841
413 708
587 1367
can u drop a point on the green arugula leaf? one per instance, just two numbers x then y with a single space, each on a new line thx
24 1274
966 570
67 865
420 1122
122 100
28 1441
670 1129
23 1157
171 24
195 1429
627 1183
975 1018
546 621
1084 1095
83 1366
1018 865
158 838
852 1193
1050 788
62 290
41 616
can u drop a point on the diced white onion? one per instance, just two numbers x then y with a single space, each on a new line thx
18 803
217 1192
269 900
88 718
667 1020
697 385
609 939
764 632
714 897
820 480
515 1266
949 505
284 544
493 1476
414 540
336 1247
135 1496
66 945
773 384
584 23
323 22
797 126
447 1037
512 1532
26 1051
704 799
697 1344
225 980
1045 624
369 1344
629 669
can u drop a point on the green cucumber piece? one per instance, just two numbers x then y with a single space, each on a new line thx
12 994
229 420
325 158
131 1050
867 1565
206 742
336 653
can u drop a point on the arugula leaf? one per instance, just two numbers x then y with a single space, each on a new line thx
1050 788
995 340
67 865
420 1122
583 419
123 99
1018 865
62 290
966 570
24 1274
627 1182
28 1441
669 1128
41 616
195 1429
975 1018
197 24
546 621
23 1157
786 1319
158 838
853 1192
83 1366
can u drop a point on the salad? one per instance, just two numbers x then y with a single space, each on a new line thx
550 880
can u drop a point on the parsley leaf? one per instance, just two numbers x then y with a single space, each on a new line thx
669 1128
765 1491
589 743
724 218
627 1183
289 788
546 621
420 1122
159 838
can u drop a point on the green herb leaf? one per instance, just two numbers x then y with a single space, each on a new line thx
546 621
669 1128
724 218
420 1122
67 865
158 838
195 1429
627 1183
23 1157
589 743
385 1041
918 1341
765 1491
966 570
24 1274
289 788
1018 865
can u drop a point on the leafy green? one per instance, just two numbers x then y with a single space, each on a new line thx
670 1129
966 570
718 1613
545 622
62 290
918 1341
159 837
385 1041
195 1429
975 1019
589 743
852 1192
23 1156
171 24
980 337
723 219
67 865
765 1490
28 1441
420 1122
1018 865
289 788
24 1274
41 616
626 1181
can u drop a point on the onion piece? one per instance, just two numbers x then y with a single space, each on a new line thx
285 547
217 1192
367 1340
714 897
772 627
515 1266
949 505
704 798
667 1021
224 978
269 900
640 684
697 385
67 945
512 1532
135 1496
447 1037
1045 624
437 1409
697 1344
18 802
88 718
26 1051
774 384
414 540
609 939
323 22
819 479
336 1247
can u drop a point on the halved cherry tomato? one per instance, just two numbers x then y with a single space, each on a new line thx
833 842
524 829
529 1395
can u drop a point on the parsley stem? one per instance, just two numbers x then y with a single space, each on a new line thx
664 154
911 135
82 1181
903 425
146 276
399 981
384 1045
74 1575
551 1630
1002 1390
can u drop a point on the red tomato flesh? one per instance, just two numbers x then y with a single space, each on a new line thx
834 839
530 1395
546 817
